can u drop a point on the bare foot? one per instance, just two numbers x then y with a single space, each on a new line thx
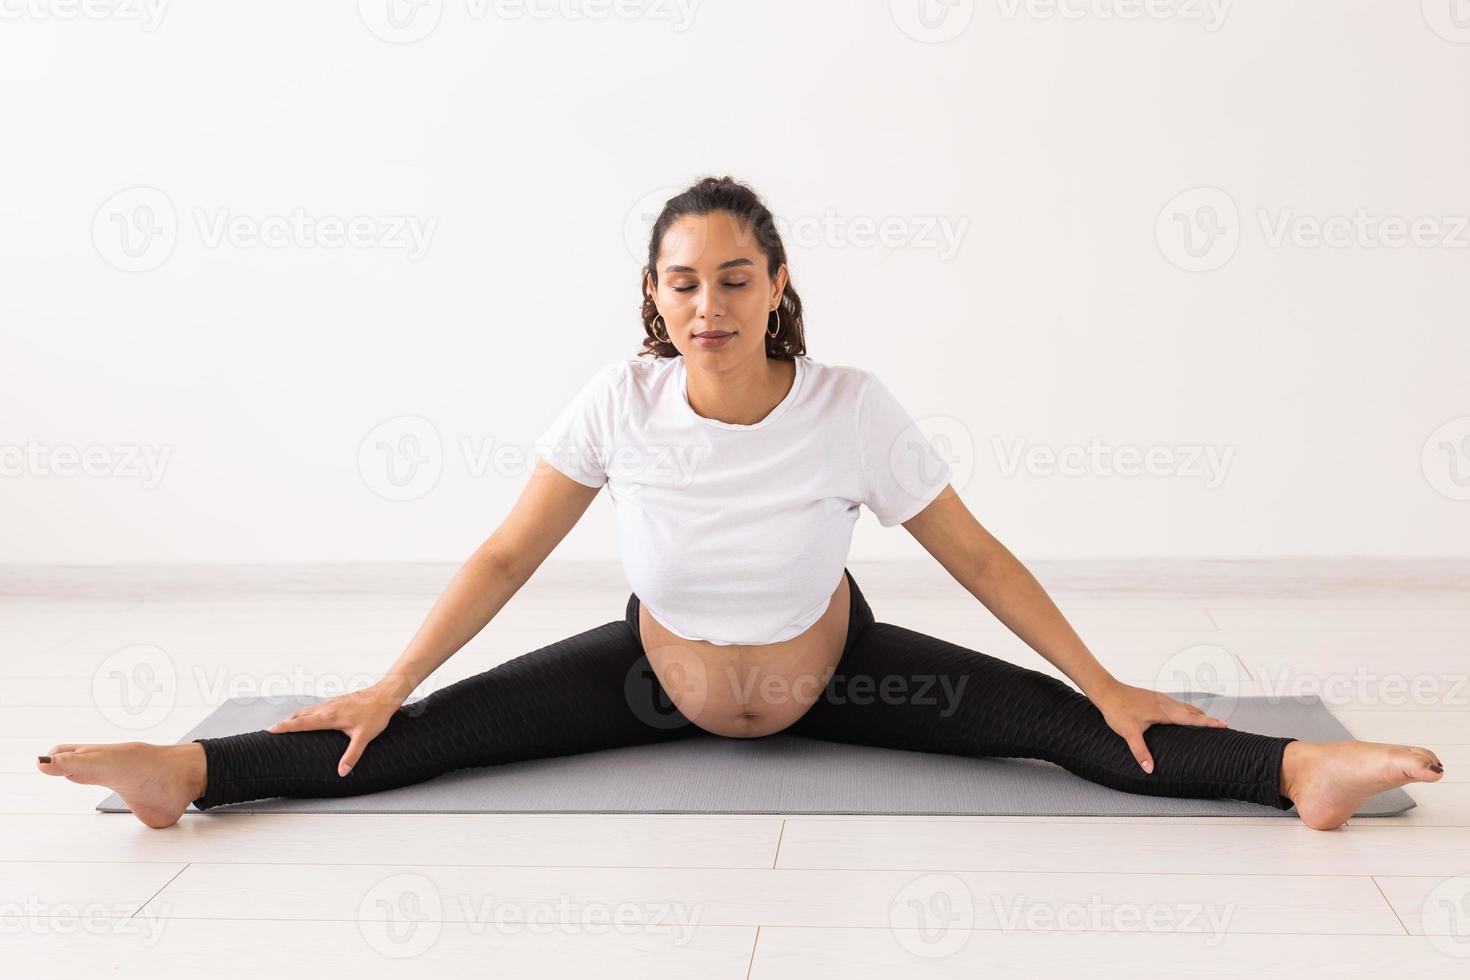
1328 781
157 782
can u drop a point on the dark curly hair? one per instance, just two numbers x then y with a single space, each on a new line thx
728 195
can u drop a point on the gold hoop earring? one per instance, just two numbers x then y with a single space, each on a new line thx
665 338
773 336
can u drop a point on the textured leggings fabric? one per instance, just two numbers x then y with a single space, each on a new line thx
893 687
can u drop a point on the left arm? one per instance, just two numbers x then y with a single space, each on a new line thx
988 570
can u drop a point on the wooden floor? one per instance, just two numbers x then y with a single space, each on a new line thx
118 654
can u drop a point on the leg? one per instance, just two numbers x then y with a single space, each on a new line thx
946 698
591 691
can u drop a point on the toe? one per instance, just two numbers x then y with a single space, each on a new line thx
69 763
1430 755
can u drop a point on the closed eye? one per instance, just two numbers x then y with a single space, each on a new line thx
732 285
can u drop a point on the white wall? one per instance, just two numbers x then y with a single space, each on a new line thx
1051 140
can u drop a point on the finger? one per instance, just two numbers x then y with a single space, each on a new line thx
350 757
1139 748
302 722
1196 717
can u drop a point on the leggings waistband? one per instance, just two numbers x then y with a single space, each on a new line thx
859 613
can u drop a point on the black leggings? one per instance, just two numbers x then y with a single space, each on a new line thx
893 687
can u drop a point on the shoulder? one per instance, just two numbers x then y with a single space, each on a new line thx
639 376
630 384
843 381
616 377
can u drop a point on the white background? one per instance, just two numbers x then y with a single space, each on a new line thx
1332 380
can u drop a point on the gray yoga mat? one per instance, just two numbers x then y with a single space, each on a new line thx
788 774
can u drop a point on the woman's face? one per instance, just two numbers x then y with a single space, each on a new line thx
712 280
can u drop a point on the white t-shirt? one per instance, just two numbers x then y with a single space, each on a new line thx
740 533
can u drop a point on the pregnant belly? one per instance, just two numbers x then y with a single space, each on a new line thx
748 690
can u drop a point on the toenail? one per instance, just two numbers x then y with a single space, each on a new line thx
44 758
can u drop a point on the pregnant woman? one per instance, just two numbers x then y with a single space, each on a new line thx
737 465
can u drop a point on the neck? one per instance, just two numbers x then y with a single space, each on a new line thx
742 394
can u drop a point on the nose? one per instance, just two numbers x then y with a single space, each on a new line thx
707 308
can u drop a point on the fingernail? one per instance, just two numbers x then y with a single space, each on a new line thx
1436 767
1148 767
44 758
343 770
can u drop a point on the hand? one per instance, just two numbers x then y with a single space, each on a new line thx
1129 710
362 715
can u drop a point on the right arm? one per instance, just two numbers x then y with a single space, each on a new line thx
548 508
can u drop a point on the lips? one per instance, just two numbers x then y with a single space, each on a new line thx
715 333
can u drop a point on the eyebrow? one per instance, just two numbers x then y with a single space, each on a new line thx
722 265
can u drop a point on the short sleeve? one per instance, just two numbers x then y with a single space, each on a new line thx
902 471
579 441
